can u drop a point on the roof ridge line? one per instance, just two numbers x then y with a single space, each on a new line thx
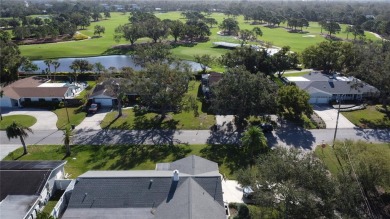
190 198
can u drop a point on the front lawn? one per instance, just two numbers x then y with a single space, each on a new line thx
377 155
368 118
183 120
24 120
76 116
127 157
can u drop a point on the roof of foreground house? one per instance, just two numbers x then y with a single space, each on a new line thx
150 193
21 184
25 177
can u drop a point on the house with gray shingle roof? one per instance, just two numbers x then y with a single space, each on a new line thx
187 188
26 186
324 88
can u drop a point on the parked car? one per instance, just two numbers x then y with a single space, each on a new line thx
93 108
266 127
247 192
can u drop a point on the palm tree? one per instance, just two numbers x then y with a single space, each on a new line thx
67 140
48 63
254 142
17 130
56 65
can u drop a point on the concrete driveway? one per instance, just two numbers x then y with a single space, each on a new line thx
92 122
232 191
46 120
329 115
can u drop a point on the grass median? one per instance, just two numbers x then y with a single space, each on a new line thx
24 120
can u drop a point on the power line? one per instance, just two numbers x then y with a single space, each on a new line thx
366 202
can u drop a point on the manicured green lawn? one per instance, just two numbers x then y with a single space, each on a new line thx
368 118
76 116
296 74
102 46
24 120
182 120
121 157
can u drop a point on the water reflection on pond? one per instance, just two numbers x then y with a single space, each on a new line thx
117 61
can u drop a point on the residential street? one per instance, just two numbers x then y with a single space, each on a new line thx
285 136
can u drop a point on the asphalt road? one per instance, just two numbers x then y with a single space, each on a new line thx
293 136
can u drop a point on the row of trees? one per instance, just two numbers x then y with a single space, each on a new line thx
256 60
148 25
56 25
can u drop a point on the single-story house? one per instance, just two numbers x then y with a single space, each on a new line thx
35 89
26 186
187 188
208 80
324 88
104 94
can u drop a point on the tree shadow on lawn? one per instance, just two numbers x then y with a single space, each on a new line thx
130 156
230 155
298 137
378 123
141 122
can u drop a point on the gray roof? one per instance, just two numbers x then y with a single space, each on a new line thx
334 84
30 165
101 88
193 165
150 193
25 177
17 206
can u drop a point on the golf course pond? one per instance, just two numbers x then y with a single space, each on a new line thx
117 61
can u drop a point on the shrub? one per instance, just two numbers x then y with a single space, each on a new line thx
243 212
41 104
80 36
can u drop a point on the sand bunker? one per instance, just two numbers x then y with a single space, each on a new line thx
309 36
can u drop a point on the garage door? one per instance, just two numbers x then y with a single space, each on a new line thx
318 100
103 101
5 102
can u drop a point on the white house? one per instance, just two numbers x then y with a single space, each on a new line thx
324 88
35 89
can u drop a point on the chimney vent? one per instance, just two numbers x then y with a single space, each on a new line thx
176 175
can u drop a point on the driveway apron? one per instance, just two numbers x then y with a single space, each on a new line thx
46 120
92 122
329 115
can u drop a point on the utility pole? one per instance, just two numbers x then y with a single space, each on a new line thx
337 122
66 108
